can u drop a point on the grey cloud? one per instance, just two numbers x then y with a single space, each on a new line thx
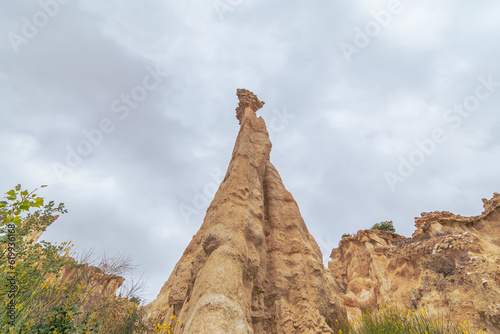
352 121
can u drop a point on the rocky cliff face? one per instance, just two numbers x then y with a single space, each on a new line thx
450 266
252 267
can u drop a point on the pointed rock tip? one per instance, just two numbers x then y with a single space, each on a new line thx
247 100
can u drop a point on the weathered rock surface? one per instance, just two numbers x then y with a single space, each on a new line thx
451 265
252 267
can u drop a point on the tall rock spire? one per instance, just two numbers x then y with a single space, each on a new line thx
252 267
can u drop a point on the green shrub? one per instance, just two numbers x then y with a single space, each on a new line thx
60 319
345 235
384 226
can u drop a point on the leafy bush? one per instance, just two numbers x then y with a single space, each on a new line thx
384 226
60 319
345 235
32 286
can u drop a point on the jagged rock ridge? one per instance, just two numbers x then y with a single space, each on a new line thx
252 267
450 266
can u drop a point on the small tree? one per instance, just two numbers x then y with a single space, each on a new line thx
384 226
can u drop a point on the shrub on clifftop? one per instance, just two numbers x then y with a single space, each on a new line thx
384 226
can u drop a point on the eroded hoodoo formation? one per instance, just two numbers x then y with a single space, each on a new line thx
252 267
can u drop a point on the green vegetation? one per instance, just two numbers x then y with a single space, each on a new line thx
393 321
35 297
384 226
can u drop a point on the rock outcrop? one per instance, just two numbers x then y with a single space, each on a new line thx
98 285
252 267
450 266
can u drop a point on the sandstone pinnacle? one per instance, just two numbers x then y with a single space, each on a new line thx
252 267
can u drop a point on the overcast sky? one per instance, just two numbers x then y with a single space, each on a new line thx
377 111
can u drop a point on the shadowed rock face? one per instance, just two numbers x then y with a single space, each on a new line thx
451 266
252 267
